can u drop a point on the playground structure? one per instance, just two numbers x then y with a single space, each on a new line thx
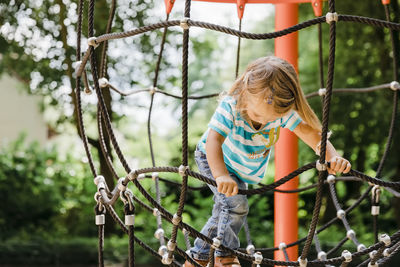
379 253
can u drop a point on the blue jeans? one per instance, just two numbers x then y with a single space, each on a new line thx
228 215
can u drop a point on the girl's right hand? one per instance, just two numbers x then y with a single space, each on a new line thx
226 185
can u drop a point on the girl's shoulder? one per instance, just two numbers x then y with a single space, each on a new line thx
228 99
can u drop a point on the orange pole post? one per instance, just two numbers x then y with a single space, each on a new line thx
286 149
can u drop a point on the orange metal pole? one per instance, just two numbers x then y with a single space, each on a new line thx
286 149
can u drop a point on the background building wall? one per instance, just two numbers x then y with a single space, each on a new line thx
19 112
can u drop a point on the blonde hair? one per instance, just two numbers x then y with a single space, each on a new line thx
275 81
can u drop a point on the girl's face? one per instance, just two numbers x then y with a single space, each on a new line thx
260 111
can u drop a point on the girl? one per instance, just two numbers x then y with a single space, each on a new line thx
236 147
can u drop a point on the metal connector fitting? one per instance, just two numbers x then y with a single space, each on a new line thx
132 175
184 23
257 258
162 250
331 179
130 220
166 260
282 246
100 219
361 247
322 91
340 214
176 219
385 239
375 210
171 246
103 82
216 243
154 176
320 166
351 234
156 212
395 85
92 42
331 17
302 263
159 233
347 256
322 255
182 170
250 249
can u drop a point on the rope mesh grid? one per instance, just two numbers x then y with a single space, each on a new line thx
108 198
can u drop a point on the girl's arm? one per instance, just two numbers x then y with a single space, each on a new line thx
225 184
312 138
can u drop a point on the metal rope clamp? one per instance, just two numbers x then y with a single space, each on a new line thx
257 258
331 179
351 234
184 23
250 249
100 182
92 42
103 82
153 90
154 176
322 91
126 197
302 263
347 256
132 175
216 243
331 17
395 85
159 233
322 255
282 246
176 219
320 166
385 239
182 170
77 67
340 214
100 210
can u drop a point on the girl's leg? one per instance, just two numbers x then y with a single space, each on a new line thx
201 248
231 218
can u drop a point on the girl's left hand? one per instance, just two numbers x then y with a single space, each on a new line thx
339 164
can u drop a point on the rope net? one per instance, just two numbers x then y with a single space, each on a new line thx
385 246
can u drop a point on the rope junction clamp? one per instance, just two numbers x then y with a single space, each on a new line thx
184 23
282 246
331 17
166 260
130 220
121 186
100 182
302 263
176 219
331 179
322 91
141 176
376 193
372 254
361 247
395 85
340 214
103 82
92 42
132 175
386 252
152 90
257 258
216 243
159 233
156 212
322 255
347 256
162 250
78 66
171 246
100 219
154 176
250 249
320 166
373 265
385 239
182 170
351 234
375 210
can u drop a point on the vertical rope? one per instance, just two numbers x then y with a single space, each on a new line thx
325 121
238 51
321 58
103 61
185 54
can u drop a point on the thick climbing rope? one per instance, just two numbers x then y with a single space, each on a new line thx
107 197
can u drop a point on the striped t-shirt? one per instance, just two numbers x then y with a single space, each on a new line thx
246 150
